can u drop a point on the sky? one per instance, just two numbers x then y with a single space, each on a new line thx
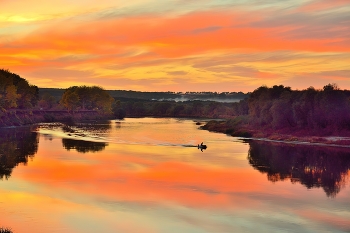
177 45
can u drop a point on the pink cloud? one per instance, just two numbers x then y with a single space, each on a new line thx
140 42
319 5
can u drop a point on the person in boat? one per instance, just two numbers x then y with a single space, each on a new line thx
202 146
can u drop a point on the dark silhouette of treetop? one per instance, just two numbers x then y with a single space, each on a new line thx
83 146
331 87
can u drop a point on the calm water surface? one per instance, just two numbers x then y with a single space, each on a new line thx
146 175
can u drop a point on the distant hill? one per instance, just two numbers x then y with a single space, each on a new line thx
55 92
171 96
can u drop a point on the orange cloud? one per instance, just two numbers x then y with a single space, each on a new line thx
174 182
150 48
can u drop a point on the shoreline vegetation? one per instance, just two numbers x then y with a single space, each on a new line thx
275 113
281 114
297 137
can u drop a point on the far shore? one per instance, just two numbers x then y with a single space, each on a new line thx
24 117
302 137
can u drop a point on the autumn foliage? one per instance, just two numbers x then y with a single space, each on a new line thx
87 98
16 92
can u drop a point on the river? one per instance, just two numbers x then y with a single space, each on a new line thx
147 175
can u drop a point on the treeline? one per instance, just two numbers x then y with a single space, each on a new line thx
281 109
196 108
87 98
57 93
16 92
141 95
177 95
267 108
20 102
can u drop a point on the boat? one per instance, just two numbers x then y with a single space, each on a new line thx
202 146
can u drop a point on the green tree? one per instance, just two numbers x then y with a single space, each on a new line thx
70 99
101 99
85 97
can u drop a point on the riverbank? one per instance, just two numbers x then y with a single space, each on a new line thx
238 127
27 117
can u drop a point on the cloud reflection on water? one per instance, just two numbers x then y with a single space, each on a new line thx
149 188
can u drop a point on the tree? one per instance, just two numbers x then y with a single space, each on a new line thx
70 99
16 91
282 113
101 99
11 97
87 98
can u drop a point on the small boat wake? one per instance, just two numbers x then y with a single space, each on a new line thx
69 132
189 145
199 146
86 133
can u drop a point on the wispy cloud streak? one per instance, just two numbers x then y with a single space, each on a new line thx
236 45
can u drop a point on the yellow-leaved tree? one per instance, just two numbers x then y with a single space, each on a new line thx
87 98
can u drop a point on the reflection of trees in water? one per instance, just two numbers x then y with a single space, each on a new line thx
84 129
16 145
96 127
83 146
311 166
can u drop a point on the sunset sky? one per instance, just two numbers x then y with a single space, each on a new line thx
177 45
